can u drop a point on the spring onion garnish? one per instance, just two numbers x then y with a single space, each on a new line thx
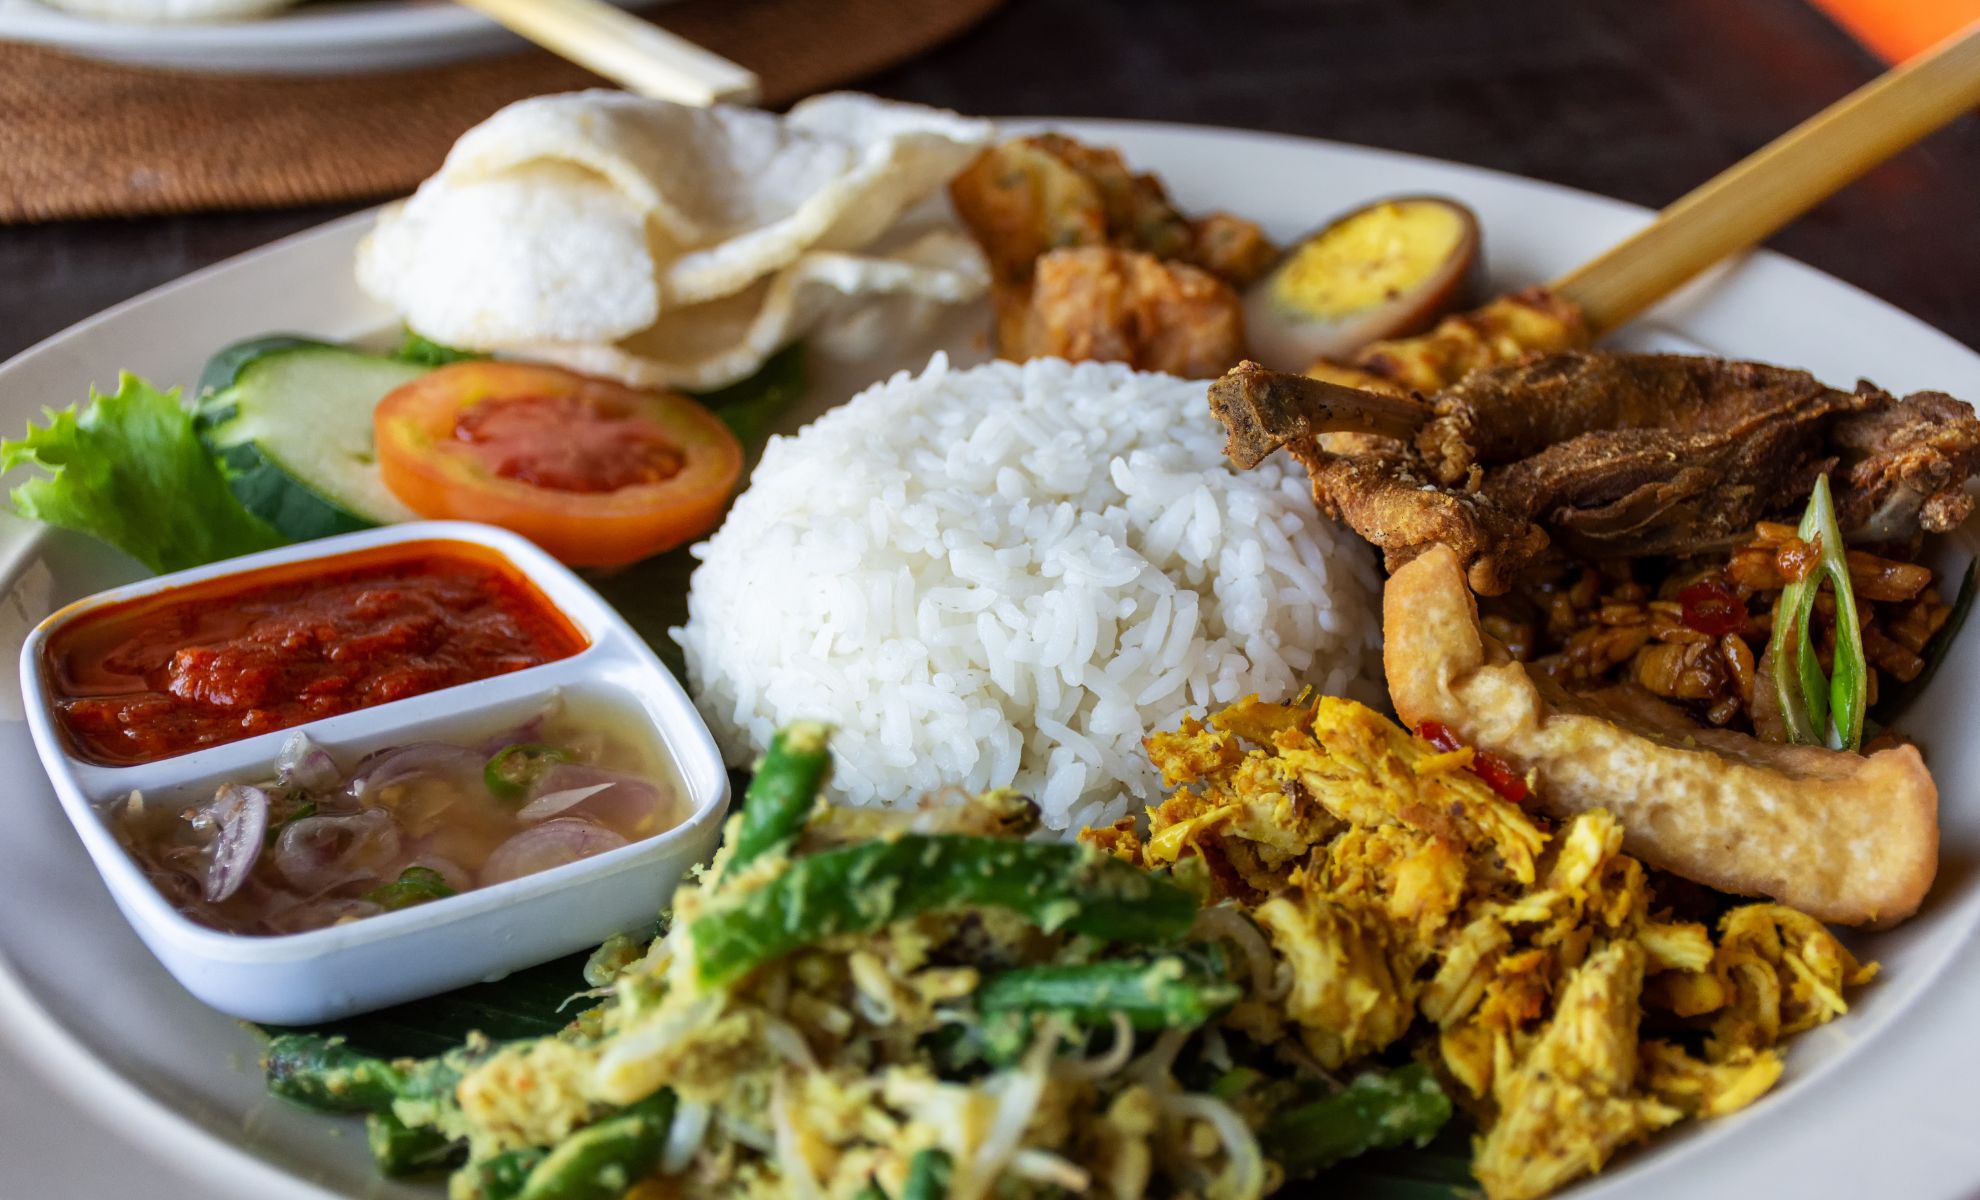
1820 711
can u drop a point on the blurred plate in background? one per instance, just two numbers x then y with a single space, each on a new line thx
314 38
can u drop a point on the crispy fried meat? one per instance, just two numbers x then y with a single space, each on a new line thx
1383 497
1610 455
1909 462
1263 410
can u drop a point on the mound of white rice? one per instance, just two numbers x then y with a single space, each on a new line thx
1007 576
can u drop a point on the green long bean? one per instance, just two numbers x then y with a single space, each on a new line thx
324 1073
498 1177
1376 1110
928 1176
1152 993
859 888
602 1160
400 1149
783 791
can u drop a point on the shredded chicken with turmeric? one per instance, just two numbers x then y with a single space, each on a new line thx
1572 1013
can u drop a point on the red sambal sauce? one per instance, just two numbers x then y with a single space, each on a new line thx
219 661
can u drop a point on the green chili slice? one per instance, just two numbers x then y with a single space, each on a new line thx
514 770
1165 992
415 885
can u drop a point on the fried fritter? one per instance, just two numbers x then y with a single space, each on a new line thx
1165 296
1125 306
1844 837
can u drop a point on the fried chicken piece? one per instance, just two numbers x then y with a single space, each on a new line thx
1231 248
1022 198
1125 306
1846 838
1505 330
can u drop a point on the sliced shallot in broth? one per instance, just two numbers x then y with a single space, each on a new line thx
317 841
318 853
419 758
629 804
552 844
239 815
549 804
304 764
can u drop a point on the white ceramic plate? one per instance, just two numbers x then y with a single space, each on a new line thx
1878 1103
314 38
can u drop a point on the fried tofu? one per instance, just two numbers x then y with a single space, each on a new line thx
1849 839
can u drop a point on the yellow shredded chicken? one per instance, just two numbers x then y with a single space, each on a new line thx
1403 893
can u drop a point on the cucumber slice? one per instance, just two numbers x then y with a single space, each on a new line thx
292 432
228 362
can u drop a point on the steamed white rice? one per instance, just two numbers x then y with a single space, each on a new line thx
1007 576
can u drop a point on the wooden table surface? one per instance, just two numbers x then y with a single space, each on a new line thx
1633 100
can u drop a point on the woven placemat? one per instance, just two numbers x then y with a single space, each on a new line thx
86 139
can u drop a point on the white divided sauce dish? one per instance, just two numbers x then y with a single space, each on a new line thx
483 934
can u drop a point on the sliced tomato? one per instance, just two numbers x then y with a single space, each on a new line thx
596 473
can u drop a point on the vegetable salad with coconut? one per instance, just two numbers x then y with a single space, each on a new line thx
855 1002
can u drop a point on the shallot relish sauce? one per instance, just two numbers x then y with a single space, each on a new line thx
229 658
323 839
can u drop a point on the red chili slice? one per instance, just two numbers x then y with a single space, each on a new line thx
1497 773
1711 609
1439 735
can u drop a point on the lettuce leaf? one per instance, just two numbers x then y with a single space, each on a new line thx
130 471
422 351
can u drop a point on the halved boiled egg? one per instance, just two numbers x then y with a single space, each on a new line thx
1388 269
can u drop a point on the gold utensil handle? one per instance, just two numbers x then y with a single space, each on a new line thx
611 41
1746 203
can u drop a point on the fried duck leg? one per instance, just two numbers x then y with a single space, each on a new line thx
1608 454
